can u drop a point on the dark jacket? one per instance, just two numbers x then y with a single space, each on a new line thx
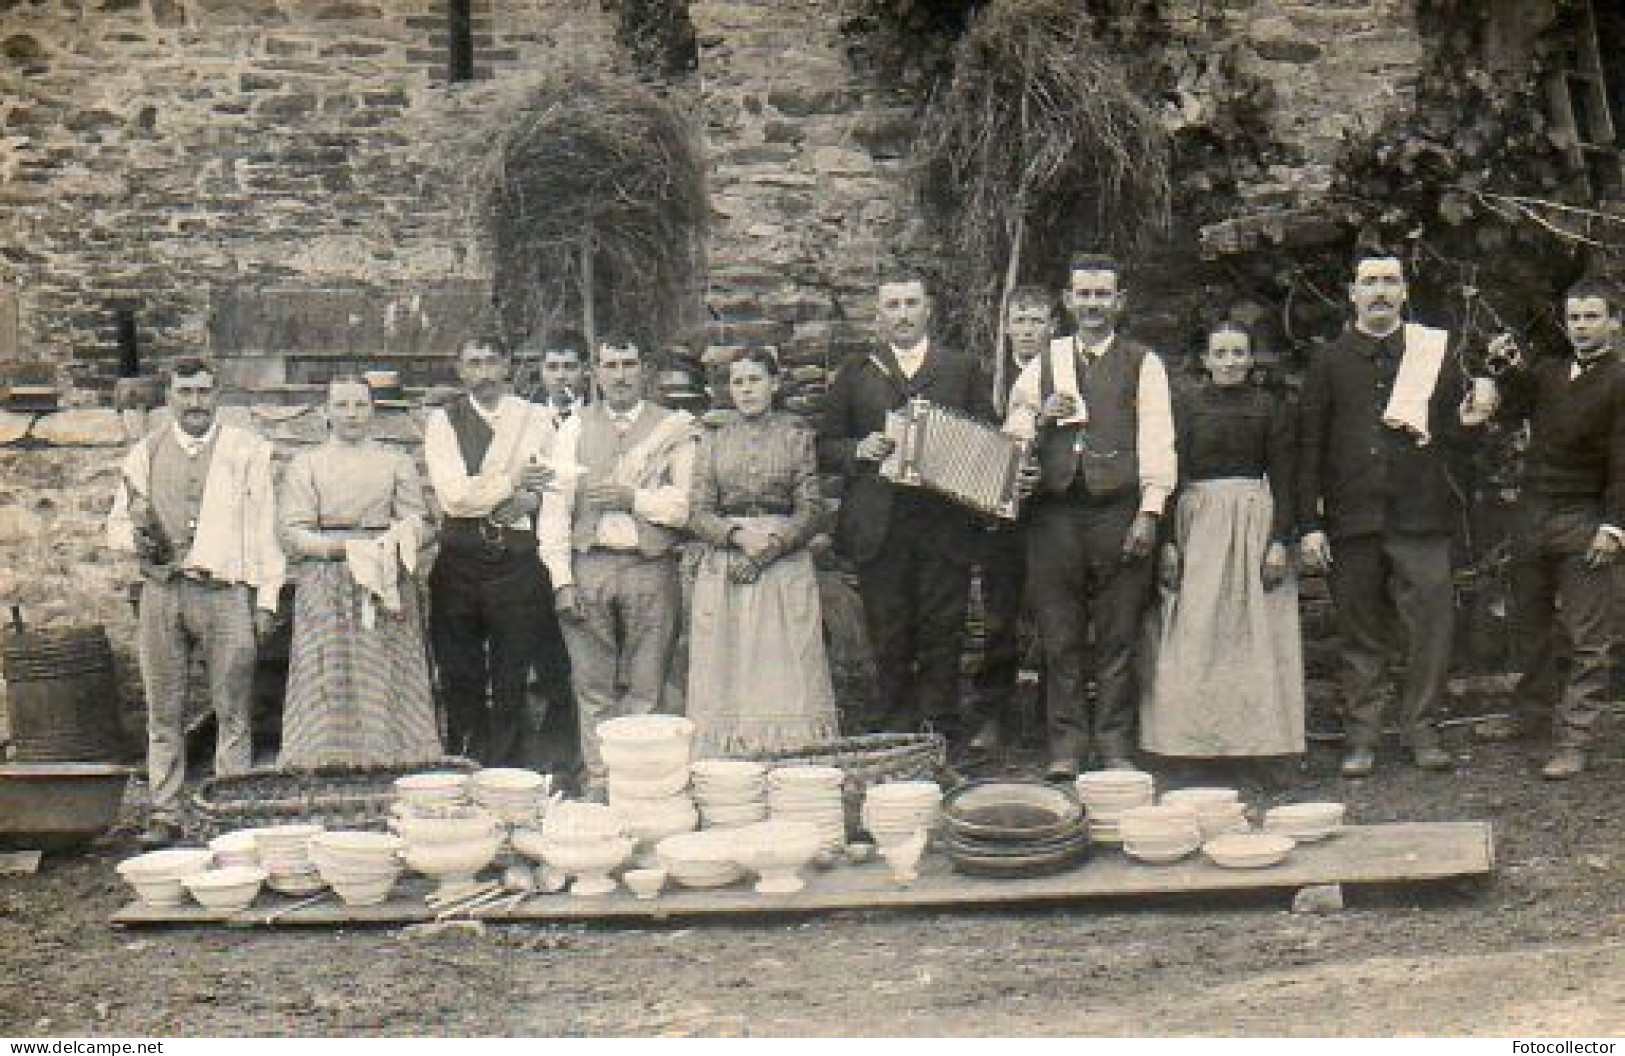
1576 456
1242 431
865 387
1371 478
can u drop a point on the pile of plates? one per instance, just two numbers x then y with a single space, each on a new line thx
1106 794
432 793
1247 850
512 795
361 867
284 854
730 792
898 809
1305 822
1219 811
1012 829
811 794
1159 834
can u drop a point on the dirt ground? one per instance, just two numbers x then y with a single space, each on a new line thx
1539 950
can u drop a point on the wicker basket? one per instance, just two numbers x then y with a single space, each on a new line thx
349 797
870 759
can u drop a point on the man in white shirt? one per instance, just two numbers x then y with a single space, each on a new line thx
1096 406
608 536
196 505
564 381
485 452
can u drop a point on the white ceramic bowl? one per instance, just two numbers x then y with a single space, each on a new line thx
1157 853
301 882
1247 850
508 779
646 760
233 888
645 883
645 729
585 822
651 821
156 876
470 825
455 861
235 848
700 859
366 891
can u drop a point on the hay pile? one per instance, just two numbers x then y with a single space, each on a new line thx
1035 147
594 205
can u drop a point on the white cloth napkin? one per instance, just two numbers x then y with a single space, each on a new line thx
1418 375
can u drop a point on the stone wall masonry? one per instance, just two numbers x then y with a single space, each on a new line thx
154 150
809 199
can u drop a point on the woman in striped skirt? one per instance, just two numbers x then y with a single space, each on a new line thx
352 514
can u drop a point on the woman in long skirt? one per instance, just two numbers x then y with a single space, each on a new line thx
352 513
1227 678
758 676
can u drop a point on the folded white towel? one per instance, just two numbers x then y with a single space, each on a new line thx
1418 375
375 565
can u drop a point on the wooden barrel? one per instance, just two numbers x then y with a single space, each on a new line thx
61 696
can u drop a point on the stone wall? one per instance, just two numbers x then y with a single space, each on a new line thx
157 150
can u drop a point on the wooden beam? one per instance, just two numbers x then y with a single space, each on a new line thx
1362 854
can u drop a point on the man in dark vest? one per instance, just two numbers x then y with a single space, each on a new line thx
490 602
1383 406
1572 512
609 534
912 548
1096 406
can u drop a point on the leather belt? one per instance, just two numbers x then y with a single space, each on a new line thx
758 509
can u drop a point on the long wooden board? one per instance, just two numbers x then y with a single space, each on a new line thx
1361 854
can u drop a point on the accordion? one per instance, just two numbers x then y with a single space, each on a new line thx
940 449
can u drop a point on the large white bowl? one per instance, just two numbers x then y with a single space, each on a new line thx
589 822
778 850
469 825
233 888
452 863
645 729
366 891
701 859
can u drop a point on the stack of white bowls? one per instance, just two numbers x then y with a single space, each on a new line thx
235 849
1219 811
511 795
1106 794
896 810
284 853
646 757
451 847
811 794
1159 834
730 792
431 793
361 867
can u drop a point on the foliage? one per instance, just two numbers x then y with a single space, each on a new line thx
1036 136
1473 185
590 159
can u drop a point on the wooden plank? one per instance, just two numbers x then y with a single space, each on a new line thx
1363 854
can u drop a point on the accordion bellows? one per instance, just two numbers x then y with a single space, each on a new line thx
948 452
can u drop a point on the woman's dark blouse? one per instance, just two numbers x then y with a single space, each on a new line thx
1237 431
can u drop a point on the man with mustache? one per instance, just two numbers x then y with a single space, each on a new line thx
1571 522
196 505
1097 406
912 548
485 455
1383 406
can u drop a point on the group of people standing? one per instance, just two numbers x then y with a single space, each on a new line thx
1154 552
